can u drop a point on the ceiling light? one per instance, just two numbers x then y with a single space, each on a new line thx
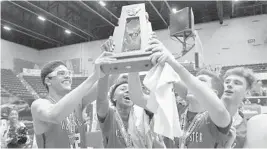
7 28
41 18
67 31
174 10
102 3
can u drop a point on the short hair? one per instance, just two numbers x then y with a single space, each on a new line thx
122 77
246 73
216 81
48 68
113 89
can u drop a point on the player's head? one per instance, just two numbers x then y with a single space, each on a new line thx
237 82
13 115
119 93
55 75
212 80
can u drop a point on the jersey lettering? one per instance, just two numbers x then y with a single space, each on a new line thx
196 137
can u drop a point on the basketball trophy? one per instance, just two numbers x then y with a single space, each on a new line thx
131 38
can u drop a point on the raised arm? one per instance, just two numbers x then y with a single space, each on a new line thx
43 110
102 102
90 96
206 96
136 92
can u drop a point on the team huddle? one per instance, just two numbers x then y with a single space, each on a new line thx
210 118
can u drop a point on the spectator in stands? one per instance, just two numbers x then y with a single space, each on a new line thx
16 134
258 90
206 121
57 119
237 82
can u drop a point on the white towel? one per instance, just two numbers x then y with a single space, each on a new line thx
162 102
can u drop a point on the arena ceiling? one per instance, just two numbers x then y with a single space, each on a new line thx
88 20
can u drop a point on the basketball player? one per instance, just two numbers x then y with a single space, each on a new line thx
206 122
237 83
57 119
118 123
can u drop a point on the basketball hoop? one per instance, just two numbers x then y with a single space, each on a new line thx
186 45
182 29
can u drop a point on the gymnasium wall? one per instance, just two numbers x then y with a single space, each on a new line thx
225 44
86 52
229 44
15 56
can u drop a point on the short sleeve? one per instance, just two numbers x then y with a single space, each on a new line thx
221 134
106 123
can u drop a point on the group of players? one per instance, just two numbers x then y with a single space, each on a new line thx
210 119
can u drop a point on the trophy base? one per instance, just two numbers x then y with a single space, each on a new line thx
128 62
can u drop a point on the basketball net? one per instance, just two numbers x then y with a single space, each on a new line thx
188 43
191 42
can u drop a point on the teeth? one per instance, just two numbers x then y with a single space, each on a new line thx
127 98
66 82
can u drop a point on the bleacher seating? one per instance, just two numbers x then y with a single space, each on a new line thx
36 83
13 85
4 93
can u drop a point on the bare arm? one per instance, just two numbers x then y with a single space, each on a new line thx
54 113
206 96
102 102
90 96
136 92
208 99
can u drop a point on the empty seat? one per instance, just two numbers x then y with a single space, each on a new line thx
13 85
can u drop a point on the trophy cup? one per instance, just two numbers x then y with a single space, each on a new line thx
130 39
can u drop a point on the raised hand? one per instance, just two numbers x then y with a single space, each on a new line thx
108 46
160 53
104 58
